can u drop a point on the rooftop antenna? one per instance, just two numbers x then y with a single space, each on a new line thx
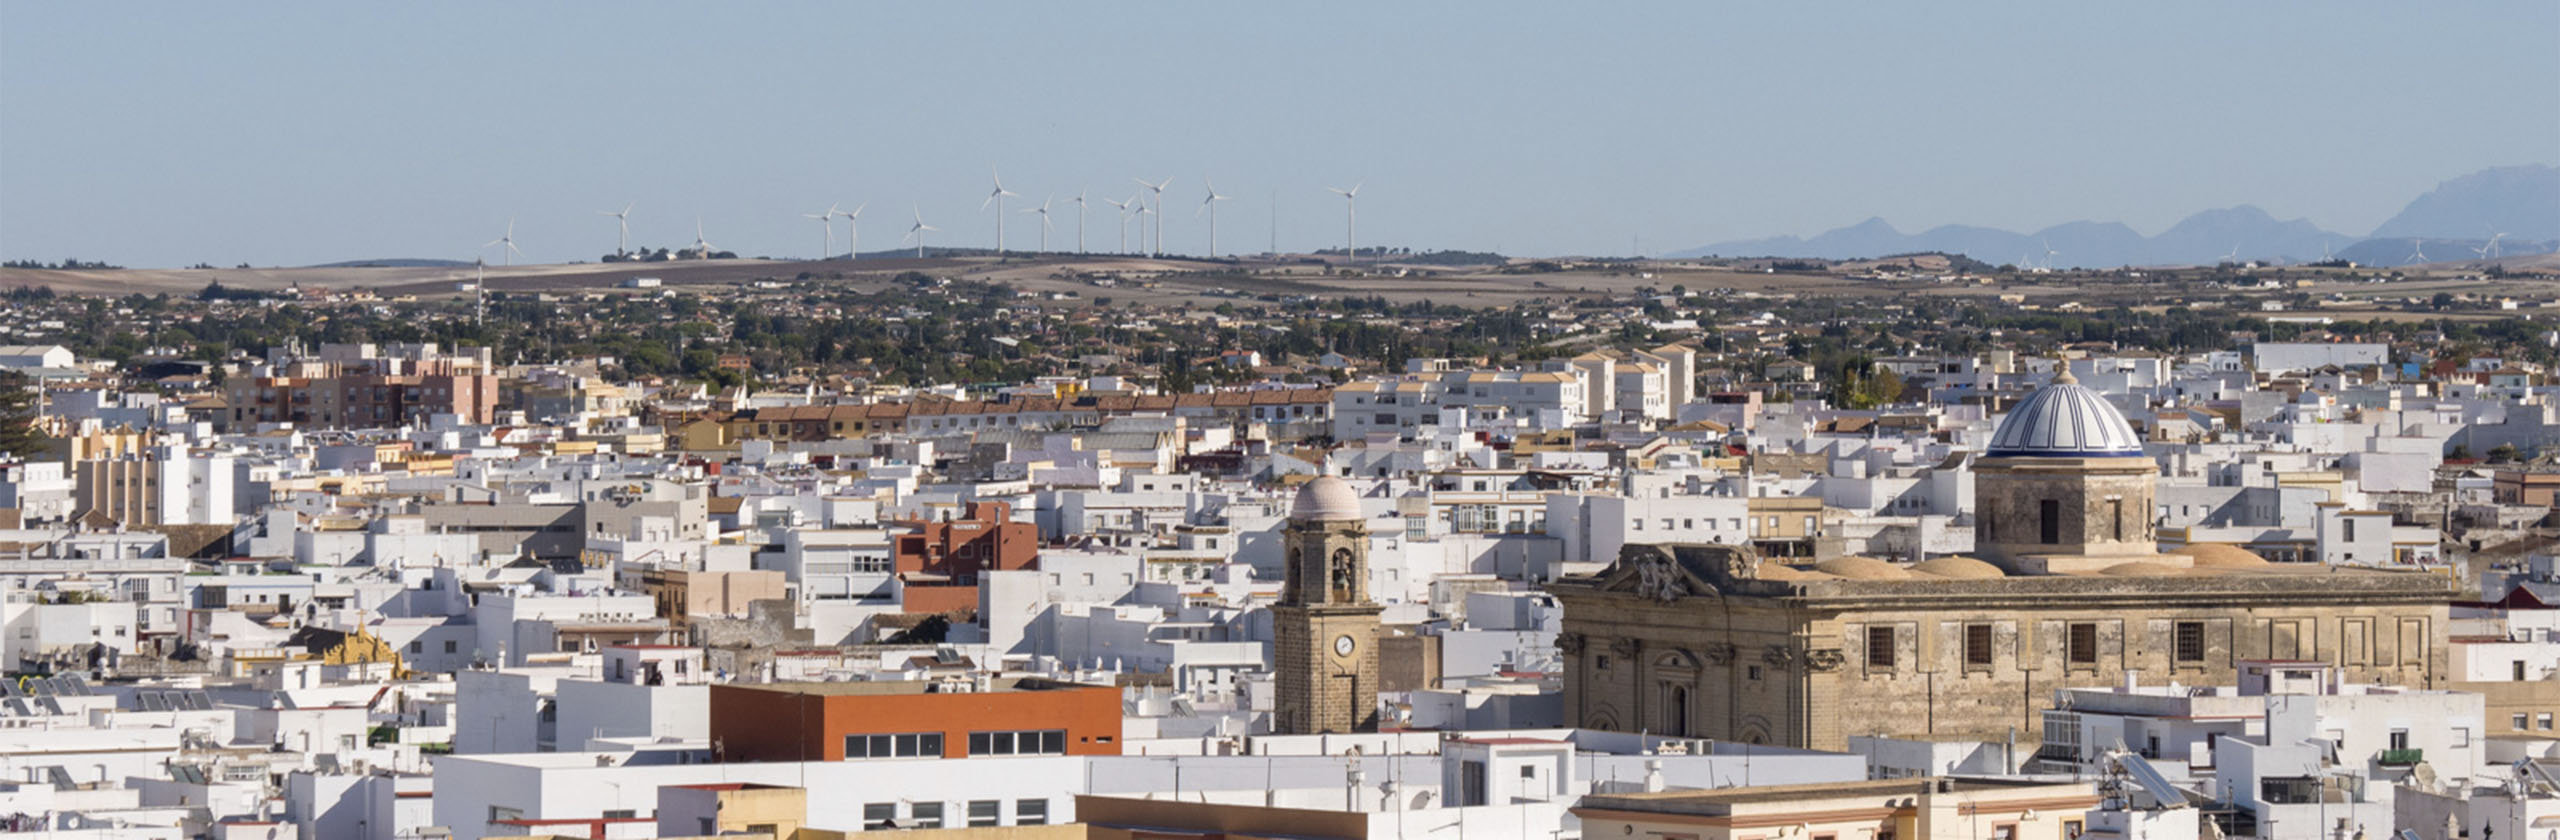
622 244
996 198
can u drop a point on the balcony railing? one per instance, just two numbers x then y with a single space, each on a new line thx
2402 758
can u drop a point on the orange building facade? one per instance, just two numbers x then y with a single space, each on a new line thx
912 719
939 562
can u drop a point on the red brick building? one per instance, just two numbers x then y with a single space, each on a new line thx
912 719
938 563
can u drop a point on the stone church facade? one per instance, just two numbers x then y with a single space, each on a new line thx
1713 642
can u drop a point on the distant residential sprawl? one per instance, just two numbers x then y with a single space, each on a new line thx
1453 545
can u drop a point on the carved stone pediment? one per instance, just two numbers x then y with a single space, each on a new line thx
1668 573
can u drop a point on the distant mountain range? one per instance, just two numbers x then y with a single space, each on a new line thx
2447 223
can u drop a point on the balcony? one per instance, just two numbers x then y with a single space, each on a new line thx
2401 758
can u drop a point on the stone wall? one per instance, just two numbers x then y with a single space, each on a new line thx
1734 657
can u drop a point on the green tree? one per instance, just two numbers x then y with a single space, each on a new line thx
18 433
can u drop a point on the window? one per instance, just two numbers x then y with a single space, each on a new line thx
2519 671
1879 647
1753 672
448 645
417 647
2518 722
2190 641
2399 739
1028 742
985 812
2072 829
879 815
1977 644
2084 644
924 815
2298 790
1031 812
2347 529
901 745
2049 521
2542 721
620 814
2004 831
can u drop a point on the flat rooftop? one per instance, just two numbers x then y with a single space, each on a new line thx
893 687
1718 803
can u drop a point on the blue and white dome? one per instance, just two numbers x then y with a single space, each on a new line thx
2065 420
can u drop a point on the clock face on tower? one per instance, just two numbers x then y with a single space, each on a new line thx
1342 645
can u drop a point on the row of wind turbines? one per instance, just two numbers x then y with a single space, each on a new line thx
1136 207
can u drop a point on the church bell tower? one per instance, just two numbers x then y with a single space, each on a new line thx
1326 627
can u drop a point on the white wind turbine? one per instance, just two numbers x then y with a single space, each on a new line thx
2490 249
996 198
509 240
826 220
853 232
1079 200
621 245
917 233
1123 207
2417 251
1158 210
2049 253
701 246
1351 223
1209 205
1043 212
2234 256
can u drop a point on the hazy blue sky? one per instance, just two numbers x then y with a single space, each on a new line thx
162 134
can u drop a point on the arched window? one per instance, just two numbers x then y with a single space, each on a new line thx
1345 577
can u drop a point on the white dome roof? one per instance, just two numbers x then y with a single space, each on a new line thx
1326 499
2065 420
